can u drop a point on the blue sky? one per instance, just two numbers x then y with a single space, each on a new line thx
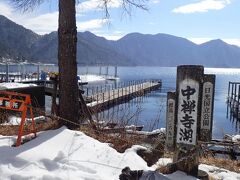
197 20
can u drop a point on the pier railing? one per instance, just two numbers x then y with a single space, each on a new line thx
101 98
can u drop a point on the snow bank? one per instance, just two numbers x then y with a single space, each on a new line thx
220 173
213 171
91 78
236 138
14 120
14 85
64 154
156 131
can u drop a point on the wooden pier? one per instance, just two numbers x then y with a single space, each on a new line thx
104 100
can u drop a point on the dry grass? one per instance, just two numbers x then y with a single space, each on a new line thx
119 141
228 164
9 130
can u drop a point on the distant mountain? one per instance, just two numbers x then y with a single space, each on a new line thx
19 43
15 40
89 50
160 49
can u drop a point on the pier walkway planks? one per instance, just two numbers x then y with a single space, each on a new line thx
105 100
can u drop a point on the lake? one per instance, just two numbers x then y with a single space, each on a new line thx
150 110
153 106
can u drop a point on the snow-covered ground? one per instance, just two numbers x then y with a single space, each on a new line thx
236 138
83 78
64 154
91 78
14 120
14 85
69 155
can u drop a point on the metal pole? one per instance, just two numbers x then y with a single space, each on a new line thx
38 72
115 75
118 93
7 72
107 71
238 101
109 89
113 96
235 92
100 70
97 94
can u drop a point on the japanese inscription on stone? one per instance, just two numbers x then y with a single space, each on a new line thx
187 111
170 122
207 105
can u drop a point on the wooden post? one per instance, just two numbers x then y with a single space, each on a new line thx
189 95
97 95
228 97
54 108
100 70
107 70
38 72
235 92
238 101
122 92
116 72
118 93
7 72
170 122
129 90
103 99
109 90
135 86
113 96
87 69
229 83
231 96
207 107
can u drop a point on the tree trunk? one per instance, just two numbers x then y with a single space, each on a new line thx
67 50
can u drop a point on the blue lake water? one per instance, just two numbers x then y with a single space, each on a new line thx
153 105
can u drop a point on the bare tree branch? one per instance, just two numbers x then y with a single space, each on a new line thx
26 5
127 6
